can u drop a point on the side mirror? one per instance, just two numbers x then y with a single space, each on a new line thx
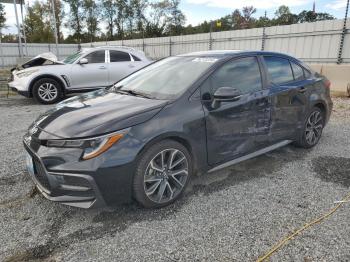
225 94
83 61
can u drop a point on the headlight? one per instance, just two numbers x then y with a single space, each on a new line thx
92 147
26 73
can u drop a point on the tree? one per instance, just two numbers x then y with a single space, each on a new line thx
2 17
59 14
121 16
76 18
91 11
37 23
283 16
109 11
310 16
139 8
177 19
248 19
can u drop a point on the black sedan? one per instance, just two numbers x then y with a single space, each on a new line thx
144 137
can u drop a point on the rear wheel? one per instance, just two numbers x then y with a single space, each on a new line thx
47 91
312 130
162 174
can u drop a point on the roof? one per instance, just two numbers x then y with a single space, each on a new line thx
224 53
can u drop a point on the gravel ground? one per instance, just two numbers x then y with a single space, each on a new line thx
236 214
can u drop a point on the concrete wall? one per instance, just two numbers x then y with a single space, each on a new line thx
339 75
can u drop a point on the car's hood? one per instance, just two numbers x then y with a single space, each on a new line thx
96 113
41 59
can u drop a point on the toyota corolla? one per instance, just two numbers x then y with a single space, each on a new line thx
144 137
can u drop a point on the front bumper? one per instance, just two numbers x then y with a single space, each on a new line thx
79 190
20 85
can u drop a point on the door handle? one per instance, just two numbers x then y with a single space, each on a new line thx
102 67
302 89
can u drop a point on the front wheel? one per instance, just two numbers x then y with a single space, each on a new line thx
312 130
162 174
47 91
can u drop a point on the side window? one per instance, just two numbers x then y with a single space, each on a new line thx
118 56
243 74
135 58
96 57
297 71
279 69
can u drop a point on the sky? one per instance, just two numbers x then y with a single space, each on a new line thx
196 11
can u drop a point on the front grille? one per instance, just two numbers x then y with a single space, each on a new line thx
40 174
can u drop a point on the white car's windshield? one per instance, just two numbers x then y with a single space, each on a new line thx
166 79
72 58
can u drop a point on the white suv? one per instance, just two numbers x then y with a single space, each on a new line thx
47 80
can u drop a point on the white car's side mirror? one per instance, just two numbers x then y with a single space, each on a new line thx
83 61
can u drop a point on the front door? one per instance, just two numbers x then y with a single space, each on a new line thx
231 126
91 75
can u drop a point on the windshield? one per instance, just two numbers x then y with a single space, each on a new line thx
166 79
72 58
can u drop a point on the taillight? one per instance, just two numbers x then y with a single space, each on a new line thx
327 83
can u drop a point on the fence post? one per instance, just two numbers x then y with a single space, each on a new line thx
170 46
263 35
342 38
210 36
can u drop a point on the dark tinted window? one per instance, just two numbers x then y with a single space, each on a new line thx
136 58
298 71
243 74
96 57
279 69
118 56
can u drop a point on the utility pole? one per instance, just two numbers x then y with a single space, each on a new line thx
19 31
210 36
55 26
342 38
264 34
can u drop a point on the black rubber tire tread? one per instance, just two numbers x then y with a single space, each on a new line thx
301 141
144 159
41 81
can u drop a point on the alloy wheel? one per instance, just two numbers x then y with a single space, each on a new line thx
314 126
166 175
47 92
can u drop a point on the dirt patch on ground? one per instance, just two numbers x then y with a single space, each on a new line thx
333 169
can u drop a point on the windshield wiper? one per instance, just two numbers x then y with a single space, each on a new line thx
133 93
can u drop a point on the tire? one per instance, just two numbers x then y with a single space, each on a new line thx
312 130
47 91
156 187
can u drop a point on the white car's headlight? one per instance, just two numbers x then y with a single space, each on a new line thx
92 147
26 73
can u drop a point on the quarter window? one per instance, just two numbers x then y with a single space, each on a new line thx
96 57
242 74
136 58
297 71
118 56
279 69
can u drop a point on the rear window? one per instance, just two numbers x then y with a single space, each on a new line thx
118 56
279 69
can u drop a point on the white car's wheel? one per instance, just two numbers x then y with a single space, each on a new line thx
47 91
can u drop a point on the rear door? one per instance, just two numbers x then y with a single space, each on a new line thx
121 64
231 126
90 75
288 94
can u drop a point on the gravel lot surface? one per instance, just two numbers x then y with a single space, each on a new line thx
236 214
